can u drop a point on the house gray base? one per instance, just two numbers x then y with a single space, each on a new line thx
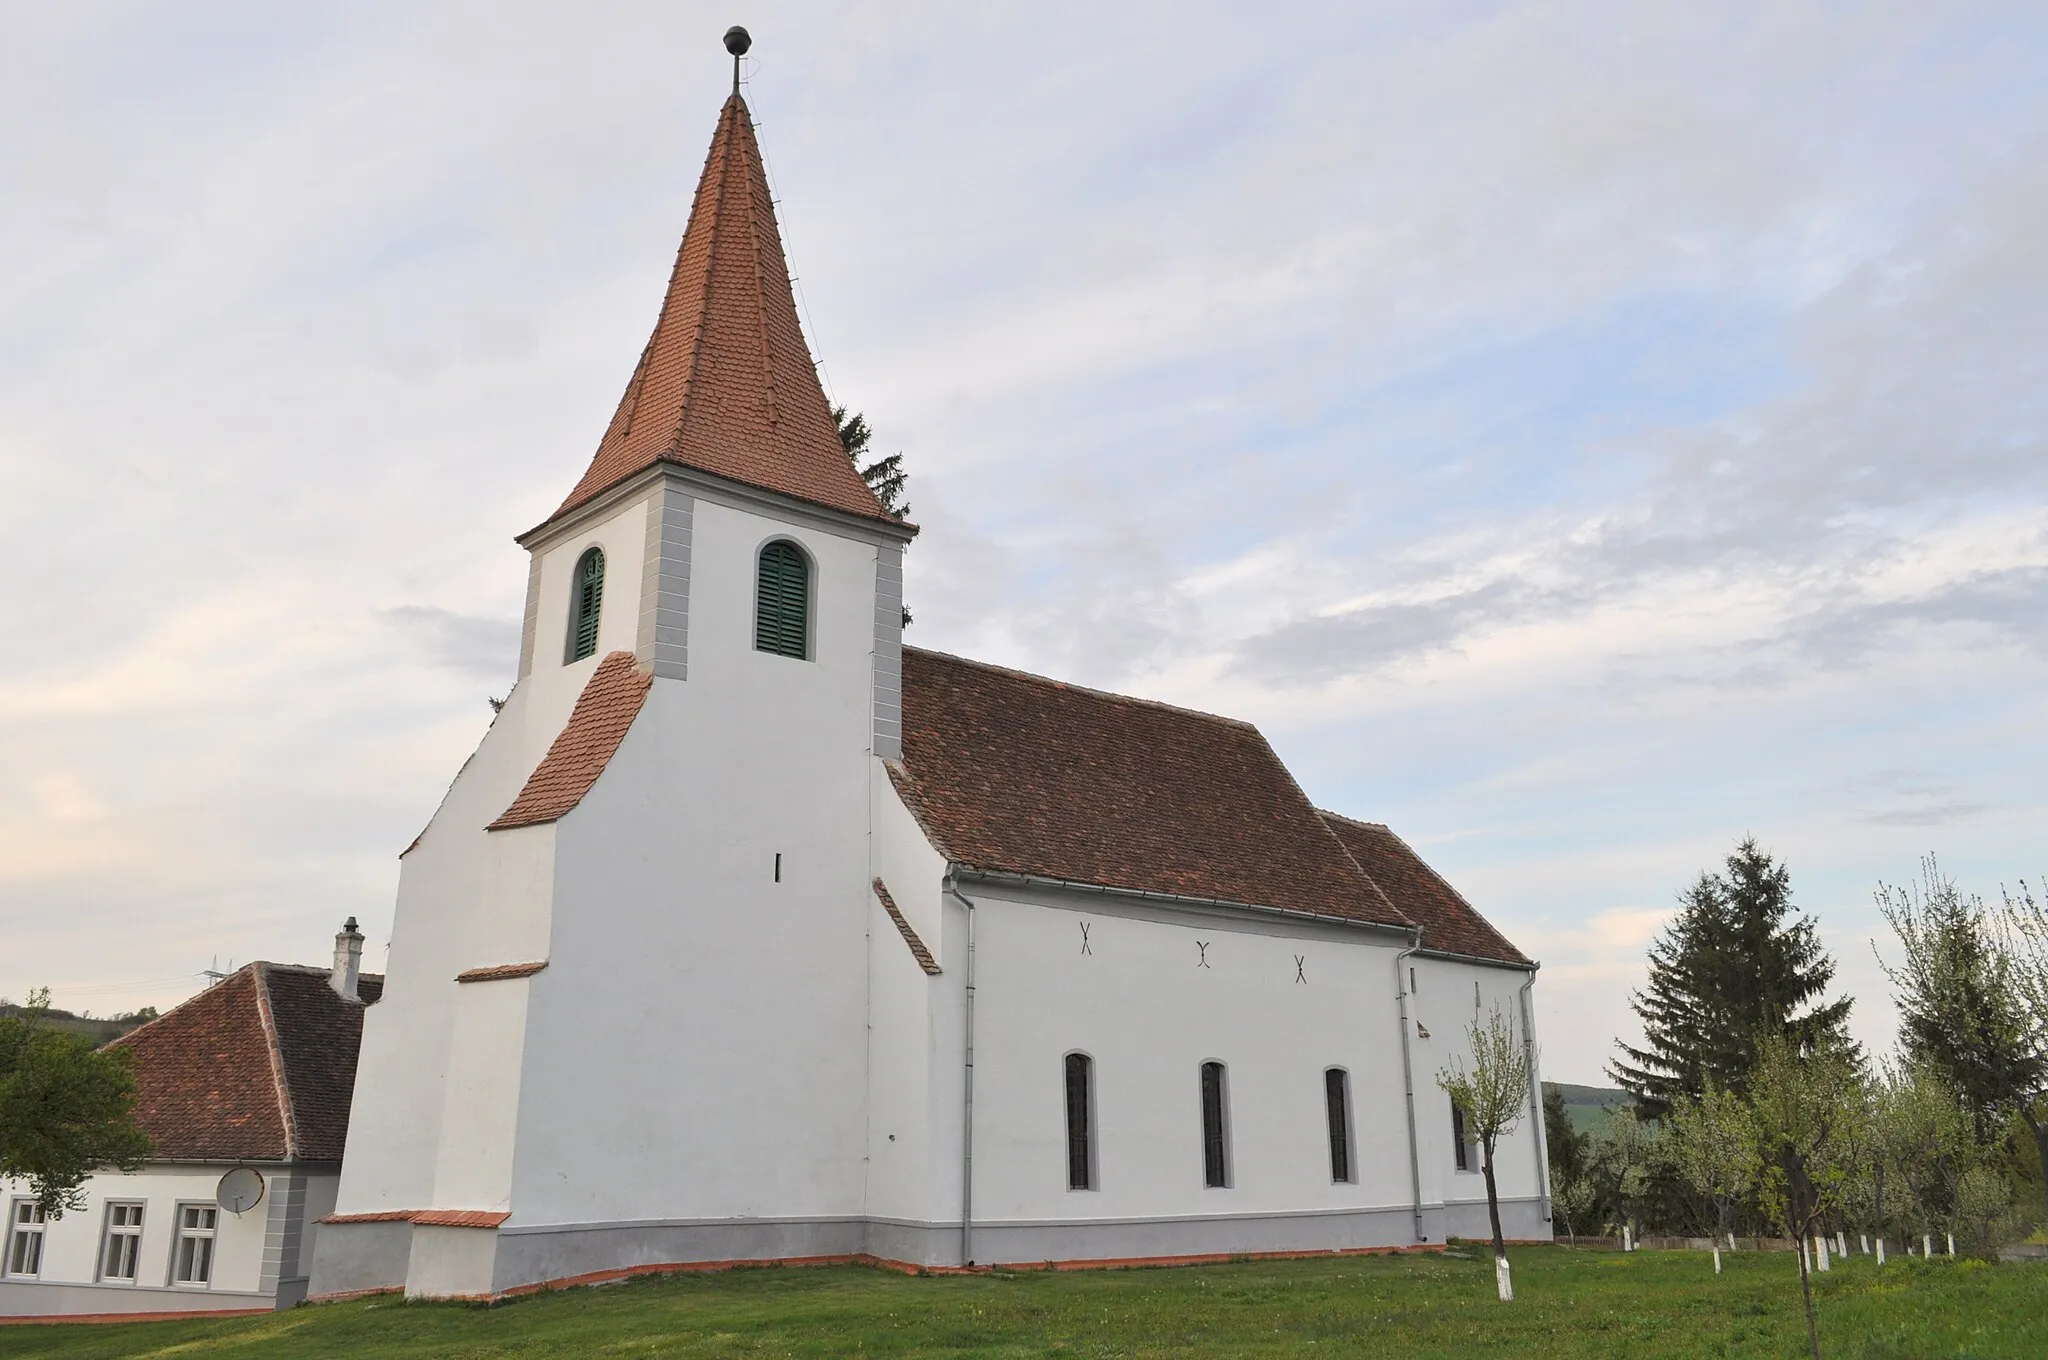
481 1262
34 1298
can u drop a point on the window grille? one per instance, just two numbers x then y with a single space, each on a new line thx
782 601
1080 1122
1458 1138
586 601
25 1238
1215 1130
192 1258
1337 1100
124 1242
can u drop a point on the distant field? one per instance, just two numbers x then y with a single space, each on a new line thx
1585 1104
1570 1304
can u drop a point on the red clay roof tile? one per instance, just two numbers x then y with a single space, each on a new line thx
917 949
1449 923
214 1082
1014 773
610 701
726 384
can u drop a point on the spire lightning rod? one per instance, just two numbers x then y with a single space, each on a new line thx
737 42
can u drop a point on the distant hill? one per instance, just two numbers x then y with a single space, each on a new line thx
101 1030
1586 1104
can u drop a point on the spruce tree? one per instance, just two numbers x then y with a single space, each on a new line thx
884 476
1737 966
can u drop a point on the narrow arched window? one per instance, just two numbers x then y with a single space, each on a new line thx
1337 1104
586 598
782 601
1215 1128
1080 1122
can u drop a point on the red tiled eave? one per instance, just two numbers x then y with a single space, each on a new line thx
1449 923
610 701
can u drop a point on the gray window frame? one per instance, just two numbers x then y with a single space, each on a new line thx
179 1234
132 1232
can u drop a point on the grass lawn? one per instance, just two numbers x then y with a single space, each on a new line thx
1568 1303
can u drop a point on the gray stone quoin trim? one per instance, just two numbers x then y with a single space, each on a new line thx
532 620
662 642
888 735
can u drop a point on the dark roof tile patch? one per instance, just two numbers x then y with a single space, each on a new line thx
501 972
1450 924
218 1080
1014 773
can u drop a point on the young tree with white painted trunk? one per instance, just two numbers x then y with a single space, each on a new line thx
1714 1148
1493 1095
1806 1103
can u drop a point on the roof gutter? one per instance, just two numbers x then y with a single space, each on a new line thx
1408 1076
967 1106
1535 1093
994 876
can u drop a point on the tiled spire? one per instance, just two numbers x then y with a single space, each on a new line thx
726 384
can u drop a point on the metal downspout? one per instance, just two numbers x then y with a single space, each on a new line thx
1535 1094
967 1109
1408 1078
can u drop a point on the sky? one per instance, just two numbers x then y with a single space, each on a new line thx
1579 435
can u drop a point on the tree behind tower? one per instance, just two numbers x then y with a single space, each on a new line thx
1738 965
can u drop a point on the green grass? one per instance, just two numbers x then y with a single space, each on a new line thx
1576 1304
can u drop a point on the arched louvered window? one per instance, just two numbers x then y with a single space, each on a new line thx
1337 1102
586 598
1215 1128
1080 1122
782 601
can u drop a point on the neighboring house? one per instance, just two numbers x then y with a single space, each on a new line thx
245 1091
748 933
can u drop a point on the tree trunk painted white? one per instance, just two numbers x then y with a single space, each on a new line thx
1717 1259
1502 1281
1863 1243
1927 1246
1624 1238
1803 1263
1731 1241
1820 1253
1951 1244
1880 1251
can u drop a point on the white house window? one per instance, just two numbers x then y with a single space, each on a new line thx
192 1254
25 1238
1337 1103
1080 1122
124 1242
1215 1127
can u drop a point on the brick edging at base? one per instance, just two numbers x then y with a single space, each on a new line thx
175 1315
597 1277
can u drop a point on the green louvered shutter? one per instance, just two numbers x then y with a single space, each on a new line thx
588 600
782 601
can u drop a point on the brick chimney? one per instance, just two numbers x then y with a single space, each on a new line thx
348 961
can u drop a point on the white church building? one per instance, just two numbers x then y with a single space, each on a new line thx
749 933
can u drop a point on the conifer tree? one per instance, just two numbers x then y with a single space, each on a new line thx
884 476
1736 967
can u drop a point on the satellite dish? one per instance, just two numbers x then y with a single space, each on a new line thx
240 1190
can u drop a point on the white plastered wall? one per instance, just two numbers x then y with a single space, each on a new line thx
1444 1003
1141 1004
697 1047
915 1079
72 1244
469 898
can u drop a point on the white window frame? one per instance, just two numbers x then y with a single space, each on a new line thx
25 1219
110 1230
180 1235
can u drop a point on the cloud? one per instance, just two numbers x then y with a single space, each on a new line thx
482 647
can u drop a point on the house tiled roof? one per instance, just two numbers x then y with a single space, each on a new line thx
1449 923
610 701
726 384
1017 774
261 1066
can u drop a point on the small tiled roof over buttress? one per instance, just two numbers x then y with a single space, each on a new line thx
610 700
726 384
1018 774
261 1066
1449 923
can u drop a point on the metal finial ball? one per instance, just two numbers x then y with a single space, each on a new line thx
736 41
